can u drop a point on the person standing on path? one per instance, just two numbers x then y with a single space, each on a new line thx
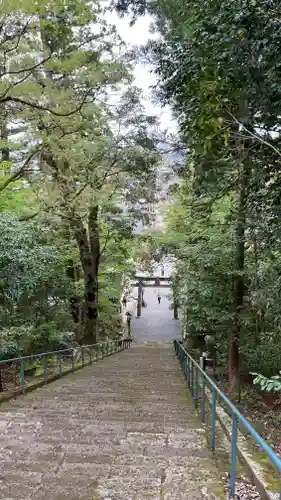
159 298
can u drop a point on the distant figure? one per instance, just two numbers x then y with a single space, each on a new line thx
124 301
162 270
129 318
159 298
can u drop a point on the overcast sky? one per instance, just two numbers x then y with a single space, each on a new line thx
139 34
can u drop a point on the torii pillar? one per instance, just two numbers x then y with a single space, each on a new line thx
140 299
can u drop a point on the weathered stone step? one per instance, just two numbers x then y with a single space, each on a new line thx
121 429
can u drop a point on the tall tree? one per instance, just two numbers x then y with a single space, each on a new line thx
218 67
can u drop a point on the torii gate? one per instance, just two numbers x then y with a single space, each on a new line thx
159 283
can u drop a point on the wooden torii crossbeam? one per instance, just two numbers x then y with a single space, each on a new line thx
157 281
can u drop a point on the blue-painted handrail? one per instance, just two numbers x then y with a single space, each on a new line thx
188 364
101 350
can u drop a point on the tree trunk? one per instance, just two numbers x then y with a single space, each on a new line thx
175 307
175 301
75 302
238 287
5 152
90 285
94 236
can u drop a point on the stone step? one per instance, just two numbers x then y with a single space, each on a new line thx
122 429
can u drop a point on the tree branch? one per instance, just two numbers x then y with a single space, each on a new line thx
24 218
26 70
80 191
18 174
105 243
34 105
255 136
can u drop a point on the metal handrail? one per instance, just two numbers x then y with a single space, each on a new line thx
187 362
101 350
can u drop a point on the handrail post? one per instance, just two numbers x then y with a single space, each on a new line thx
90 355
196 387
192 380
203 399
188 372
60 367
214 407
72 361
82 356
22 375
233 455
46 368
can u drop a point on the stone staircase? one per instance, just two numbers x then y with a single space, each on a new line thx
121 429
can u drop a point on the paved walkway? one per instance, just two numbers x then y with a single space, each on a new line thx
122 429
156 322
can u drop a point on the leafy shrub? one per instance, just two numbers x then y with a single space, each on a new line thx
263 356
272 384
25 340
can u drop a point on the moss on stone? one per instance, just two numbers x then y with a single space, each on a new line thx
268 469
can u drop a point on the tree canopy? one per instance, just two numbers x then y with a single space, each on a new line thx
218 67
73 163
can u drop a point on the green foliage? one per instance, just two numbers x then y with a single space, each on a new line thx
30 263
26 339
272 384
218 66
70 163
34 288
